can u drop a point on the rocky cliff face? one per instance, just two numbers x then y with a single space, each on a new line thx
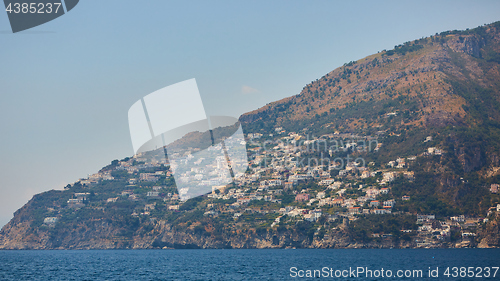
19 233
490 236
467 44
164 236
99 233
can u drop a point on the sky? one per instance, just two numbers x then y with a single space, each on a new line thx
66 86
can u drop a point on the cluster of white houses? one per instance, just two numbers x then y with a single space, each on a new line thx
275 167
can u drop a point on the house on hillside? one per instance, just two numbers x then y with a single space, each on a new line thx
153 194
50 221
302 197
354 210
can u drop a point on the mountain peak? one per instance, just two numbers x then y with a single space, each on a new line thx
413 79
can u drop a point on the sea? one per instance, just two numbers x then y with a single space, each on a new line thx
265 264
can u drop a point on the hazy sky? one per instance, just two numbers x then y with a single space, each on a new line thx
66 86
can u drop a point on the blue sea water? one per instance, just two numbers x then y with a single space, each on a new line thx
249 264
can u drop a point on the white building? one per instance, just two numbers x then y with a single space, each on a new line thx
153 194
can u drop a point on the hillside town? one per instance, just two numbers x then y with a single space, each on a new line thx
285 183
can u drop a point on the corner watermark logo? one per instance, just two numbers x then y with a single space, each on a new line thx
204 152
25 14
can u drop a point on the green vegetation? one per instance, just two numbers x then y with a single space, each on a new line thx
407 47
363 228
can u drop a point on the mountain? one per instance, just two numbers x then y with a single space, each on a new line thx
432 82
446 86
431 107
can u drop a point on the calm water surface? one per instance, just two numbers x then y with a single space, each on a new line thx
242 264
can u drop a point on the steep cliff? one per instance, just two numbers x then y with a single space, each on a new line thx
490 236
